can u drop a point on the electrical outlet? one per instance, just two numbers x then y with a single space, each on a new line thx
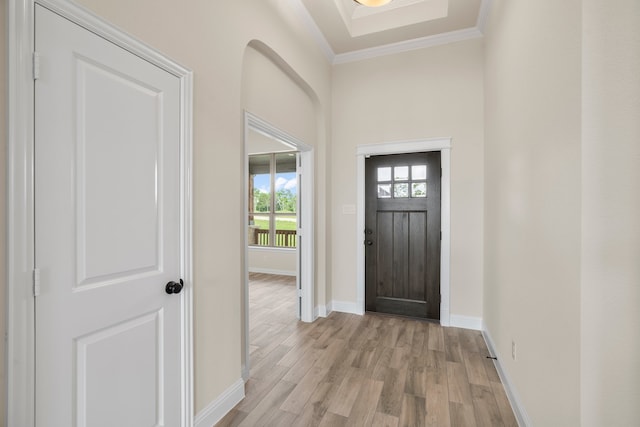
513 349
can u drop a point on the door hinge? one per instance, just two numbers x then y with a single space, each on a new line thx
36 65
36 282
441 235
299 293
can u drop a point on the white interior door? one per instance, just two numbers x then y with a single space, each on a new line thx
107 227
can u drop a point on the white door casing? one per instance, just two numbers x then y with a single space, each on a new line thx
112 214
305 219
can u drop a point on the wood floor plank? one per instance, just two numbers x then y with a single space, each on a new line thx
317 405
333 420
458 382
452 346
295 402
343 401
437 403
462 415
490 369
436 338
382 365
256 389
405 333
485 407
278 418
412 411
474 364
506 412
262 367
384 420
371 370
340 367
436 360
365 405
416 383
232 419
468 340
269 403
392 392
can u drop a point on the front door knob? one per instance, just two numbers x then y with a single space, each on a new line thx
174 287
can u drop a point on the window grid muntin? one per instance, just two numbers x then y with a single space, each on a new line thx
398 182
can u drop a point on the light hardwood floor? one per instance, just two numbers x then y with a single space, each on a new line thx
372 370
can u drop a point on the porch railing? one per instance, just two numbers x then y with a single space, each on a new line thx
284 238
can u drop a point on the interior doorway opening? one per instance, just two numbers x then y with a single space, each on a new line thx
279 210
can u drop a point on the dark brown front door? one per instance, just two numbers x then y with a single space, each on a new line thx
402 235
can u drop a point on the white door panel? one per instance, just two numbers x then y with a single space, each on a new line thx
107 226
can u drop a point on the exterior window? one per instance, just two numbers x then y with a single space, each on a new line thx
273 200
404 180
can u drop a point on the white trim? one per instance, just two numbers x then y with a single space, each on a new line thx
466 322
408 45
414 146
272 271
512 394
20 304
270 249
347 307
322 310
216 410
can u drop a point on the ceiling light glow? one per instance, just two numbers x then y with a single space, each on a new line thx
373 3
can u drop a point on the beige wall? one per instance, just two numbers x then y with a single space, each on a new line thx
274 261
610 357
532 202
427 93
3 198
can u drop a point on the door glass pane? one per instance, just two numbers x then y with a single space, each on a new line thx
418 172
401 190
384 174
419 189
384 191
285 231
401 173
286 184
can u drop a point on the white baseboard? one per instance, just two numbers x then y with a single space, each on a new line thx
217 409
346 307
466 322
322 310
512 394
271 271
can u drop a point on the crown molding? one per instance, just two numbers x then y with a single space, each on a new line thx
408 45
392 48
